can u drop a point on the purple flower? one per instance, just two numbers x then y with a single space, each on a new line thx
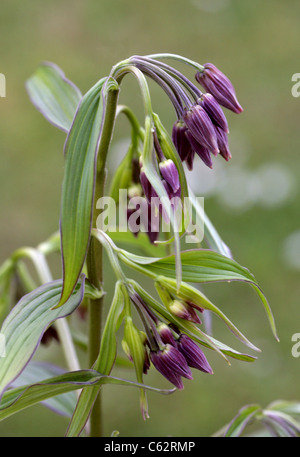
166 334
201 127
223 143
215 112
146 185
171 364
200 150
217 84
170 174
184 311
181 141
193 354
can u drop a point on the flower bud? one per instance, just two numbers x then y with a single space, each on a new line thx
217 84
215 112
180 140
166 334
184 311
193 354
170 174
201 127
223 143
171 364
146 185
201 151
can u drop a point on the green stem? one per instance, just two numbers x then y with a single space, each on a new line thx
167 55
95 253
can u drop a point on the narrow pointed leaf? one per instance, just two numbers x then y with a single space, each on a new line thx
24 327
238 424
81 151
55 96
35 372
15 400
189 328
198 266
103 364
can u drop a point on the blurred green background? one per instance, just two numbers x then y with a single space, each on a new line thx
253 200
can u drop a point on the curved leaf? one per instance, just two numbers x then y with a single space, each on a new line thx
238 424
104 362
81 150
35 372
15 400
198 266
24 327
55 96
190 328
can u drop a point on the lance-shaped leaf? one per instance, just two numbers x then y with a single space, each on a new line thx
198 266
190 328
242 419
104 362
55 96
81 150
35 372
24 327
15 400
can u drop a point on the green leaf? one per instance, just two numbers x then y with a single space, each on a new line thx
198 266
140 243
55 96
35 372
104 362
238 424
26 323
189 293
15 400
108 346
81 150
190 328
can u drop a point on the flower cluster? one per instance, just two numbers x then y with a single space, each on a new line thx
150 208
171 352
201 127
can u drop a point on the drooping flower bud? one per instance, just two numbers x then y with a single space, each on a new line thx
223 143
170 174
180 140
215 112
193 354
146 185
200 150
166 334
217 84
171 364
184 311
201 127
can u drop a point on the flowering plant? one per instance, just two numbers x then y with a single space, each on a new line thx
162 216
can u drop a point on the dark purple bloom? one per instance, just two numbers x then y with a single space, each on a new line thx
170 174
166 334
200 150
193 354
171 364
201 127
217 84
180 140
223 143
146 185
215 112
184 311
